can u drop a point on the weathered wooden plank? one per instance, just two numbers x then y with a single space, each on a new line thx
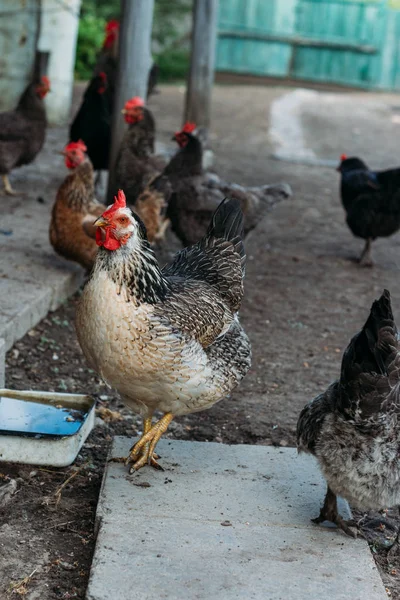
338 41
298 41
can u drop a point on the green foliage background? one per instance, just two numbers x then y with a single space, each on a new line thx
169 35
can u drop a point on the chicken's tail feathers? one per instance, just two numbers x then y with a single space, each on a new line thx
374 347
219 257
261 200
227 222
370 374
381 331
381 311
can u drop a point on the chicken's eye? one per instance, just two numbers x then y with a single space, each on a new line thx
123 220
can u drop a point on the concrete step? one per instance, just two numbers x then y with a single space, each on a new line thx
223 522
33 278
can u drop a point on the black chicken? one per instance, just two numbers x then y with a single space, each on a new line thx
107 59
371 200
136 164
353 428
92 123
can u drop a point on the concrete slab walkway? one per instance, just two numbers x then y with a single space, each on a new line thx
223 522
33 278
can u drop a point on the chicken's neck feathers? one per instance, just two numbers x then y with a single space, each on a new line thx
140 137
187 162
135 270
77 190
30 105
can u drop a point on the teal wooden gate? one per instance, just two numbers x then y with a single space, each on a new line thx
349 42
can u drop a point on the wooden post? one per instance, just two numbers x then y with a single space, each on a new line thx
201 74
133 68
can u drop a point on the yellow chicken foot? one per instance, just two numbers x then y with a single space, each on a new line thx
142 452
329 512
7 186
147 425
146 428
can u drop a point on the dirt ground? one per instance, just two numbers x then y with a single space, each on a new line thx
305 297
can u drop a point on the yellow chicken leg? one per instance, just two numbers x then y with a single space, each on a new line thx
146 428
7 186
142 452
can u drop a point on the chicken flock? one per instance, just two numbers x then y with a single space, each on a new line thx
169 339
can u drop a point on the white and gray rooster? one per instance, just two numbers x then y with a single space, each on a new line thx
170 339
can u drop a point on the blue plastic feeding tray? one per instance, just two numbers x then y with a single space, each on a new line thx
43 428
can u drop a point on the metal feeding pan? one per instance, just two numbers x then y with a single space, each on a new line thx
43 428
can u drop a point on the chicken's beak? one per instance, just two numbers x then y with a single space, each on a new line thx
101 222
124 111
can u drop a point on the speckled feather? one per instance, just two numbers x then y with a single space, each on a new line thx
169 340
353 428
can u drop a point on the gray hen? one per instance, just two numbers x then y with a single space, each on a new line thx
353 428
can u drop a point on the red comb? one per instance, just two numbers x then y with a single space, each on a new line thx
45 80
112 26
188 127
133 103
112 29
79 145
343 157
119 202
103 76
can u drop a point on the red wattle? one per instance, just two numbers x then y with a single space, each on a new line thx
69 163
110 243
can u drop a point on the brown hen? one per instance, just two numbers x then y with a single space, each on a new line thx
72 231
151 206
